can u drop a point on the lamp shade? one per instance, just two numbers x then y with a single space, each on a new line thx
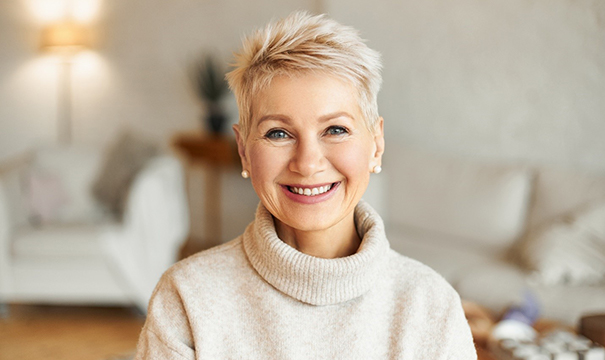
66 35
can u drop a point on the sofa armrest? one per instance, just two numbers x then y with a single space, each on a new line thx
157 210
155 223
6 229
11 212
6 220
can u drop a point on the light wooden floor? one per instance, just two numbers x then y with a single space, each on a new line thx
66 333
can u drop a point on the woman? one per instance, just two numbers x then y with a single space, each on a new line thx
313 276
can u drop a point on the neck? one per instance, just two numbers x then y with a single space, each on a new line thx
340 240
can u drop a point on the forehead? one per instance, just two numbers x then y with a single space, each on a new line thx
306 96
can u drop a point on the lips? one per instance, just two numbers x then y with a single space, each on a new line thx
310 191
310 194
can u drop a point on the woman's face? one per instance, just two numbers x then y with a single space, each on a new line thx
309 152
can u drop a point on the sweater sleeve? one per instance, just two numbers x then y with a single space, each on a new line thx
166 334
455 333
434 319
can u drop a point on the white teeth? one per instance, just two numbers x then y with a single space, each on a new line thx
310 191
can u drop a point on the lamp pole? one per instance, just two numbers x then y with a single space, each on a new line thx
67 38
64 102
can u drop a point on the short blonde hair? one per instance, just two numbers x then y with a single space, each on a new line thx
299 43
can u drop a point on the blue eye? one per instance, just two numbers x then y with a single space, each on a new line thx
277 134
337 130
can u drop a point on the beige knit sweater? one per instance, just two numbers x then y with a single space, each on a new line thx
256 297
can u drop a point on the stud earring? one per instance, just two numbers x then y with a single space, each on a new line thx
377 169
245 174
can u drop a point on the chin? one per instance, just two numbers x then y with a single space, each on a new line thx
314 221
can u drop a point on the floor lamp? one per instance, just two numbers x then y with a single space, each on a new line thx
66 39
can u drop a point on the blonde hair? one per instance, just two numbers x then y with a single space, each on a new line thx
304 43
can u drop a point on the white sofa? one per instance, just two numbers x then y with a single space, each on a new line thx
481 225
85 256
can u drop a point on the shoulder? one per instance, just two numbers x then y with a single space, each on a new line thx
427 303
214 256
209 265
181 293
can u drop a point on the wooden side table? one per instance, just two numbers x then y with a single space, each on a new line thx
215 153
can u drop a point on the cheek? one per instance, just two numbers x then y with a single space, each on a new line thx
266 163
353 161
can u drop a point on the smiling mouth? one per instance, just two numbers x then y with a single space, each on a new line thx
314 191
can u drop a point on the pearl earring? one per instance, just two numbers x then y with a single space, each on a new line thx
245 174
377 169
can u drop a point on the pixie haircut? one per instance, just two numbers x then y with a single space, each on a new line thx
302 43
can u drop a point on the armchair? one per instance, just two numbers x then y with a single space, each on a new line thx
90 258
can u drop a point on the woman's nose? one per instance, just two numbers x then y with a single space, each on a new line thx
308 159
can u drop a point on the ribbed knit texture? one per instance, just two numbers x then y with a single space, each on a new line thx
258 298
311 279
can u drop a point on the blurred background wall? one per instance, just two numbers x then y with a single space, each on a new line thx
491 79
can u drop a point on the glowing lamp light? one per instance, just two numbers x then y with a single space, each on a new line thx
65 36
48 11
85 10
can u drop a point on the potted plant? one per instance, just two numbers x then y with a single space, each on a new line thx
211 86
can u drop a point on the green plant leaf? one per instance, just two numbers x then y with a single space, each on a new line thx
209 78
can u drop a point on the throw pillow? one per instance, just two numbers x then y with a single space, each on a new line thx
56 186
123 160
46 197
483 204
569 251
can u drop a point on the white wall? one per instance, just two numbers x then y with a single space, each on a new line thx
26 82
493 79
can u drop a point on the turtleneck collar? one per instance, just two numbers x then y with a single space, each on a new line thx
314 280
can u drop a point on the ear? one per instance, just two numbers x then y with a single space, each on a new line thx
241 148
378 143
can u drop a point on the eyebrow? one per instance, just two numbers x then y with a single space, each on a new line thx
322 118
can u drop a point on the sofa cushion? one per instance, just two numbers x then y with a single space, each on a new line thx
499 285
495 285
568 304
559 192
570 250
46 196
482 203
123 160
440 252
57 185
59 241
